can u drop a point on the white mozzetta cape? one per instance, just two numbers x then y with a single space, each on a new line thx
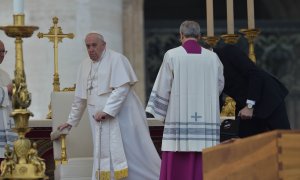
114 71
186 96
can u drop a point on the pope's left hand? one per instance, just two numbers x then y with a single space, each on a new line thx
102 116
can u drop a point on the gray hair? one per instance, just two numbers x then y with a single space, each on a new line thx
100 36
190 29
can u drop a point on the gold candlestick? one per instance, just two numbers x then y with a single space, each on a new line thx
22 162
211 40
251 34
230 38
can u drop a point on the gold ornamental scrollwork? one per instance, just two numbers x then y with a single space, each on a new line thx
228 109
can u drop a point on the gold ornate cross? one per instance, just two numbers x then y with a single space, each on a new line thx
55 35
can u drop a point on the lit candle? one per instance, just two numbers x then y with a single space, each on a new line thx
250 10
18 6
210 17
230 17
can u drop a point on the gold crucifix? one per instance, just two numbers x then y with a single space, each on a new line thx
55 35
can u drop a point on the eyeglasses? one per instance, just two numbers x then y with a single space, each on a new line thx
3 52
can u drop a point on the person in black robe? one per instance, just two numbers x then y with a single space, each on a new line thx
259 96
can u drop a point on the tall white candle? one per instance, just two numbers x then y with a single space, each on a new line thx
250 11
210 17
18 6
230 17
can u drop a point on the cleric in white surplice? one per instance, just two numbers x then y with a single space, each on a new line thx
186 97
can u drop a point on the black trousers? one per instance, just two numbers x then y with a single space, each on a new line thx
277 120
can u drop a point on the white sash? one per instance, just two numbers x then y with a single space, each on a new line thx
109 146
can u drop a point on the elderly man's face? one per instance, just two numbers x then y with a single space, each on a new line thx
2 52
95 46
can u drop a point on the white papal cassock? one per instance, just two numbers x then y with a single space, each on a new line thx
185 96
125 141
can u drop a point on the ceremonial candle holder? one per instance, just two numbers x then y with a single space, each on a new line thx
212 41
22 162
230 38
251 34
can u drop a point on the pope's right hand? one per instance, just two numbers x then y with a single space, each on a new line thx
64 126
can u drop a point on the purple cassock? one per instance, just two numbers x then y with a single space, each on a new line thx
183 165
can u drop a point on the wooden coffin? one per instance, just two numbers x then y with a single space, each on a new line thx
267 156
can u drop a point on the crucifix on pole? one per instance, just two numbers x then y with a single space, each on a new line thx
55 35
